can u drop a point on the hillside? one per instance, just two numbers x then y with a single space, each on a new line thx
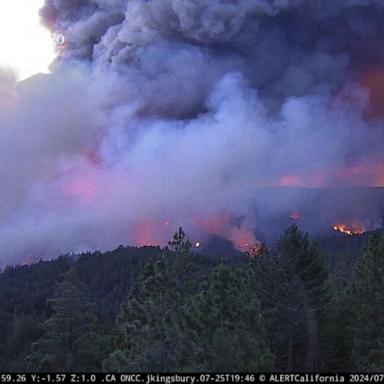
25 290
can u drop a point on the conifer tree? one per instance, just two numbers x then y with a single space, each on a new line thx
144 335
293 287
222 328
142 331
367 323
338 341
72 339
180 245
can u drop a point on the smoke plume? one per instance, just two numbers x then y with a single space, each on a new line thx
162 113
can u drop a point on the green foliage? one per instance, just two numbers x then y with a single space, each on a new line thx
72 338
222 329
293 287
144 336
172 310
307 262
367 323
337 330
110 275
23 306
25 290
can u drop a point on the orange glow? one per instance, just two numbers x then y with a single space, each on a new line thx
82 186
150 232
214 225
290 181
251 250
255 250
350 230
367 174
294 216
144 233
243 239
220 224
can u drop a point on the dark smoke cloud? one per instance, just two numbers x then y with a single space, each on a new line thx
166 112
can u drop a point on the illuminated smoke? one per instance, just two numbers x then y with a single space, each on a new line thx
182 111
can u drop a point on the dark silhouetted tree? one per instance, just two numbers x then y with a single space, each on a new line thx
179 244
222 328
72 339
144 337
293 287
367 323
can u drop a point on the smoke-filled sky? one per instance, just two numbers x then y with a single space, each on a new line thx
162 113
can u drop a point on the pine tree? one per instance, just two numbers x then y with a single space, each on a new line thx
222 328
180 245
338 339
144 336
293 287
281 293
367 323
142 330
311 278
72 339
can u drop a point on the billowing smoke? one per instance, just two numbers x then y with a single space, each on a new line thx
162 113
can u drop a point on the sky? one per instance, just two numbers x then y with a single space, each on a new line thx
26 46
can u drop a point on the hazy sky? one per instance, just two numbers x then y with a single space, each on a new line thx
25 46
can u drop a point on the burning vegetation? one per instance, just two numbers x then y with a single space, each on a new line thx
252 250
294 216
349 229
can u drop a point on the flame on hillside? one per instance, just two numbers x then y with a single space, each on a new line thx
349 229
252 250
294 216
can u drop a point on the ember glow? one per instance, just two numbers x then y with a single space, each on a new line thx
252 250
235 229
294 216
350 230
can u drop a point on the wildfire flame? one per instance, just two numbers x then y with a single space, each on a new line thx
350 230
252 250
294 216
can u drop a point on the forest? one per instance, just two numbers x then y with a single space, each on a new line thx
294 307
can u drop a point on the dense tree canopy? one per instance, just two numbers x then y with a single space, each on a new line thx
367 322
222 327
72 338
153 309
